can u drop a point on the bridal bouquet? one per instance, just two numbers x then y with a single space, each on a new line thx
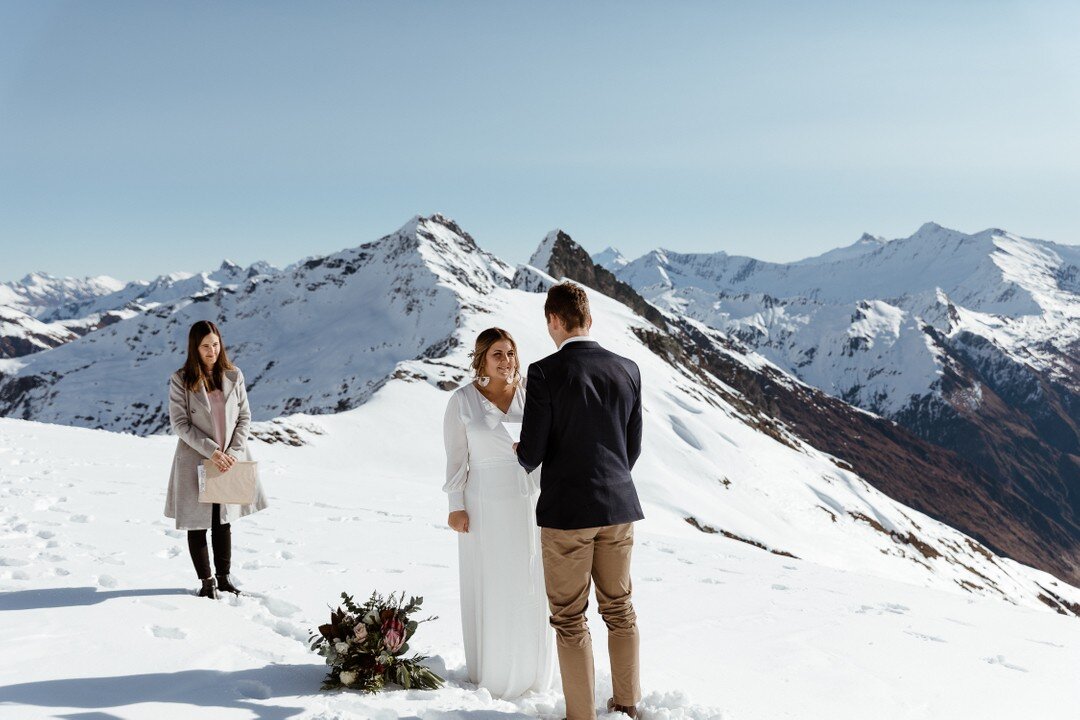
364 645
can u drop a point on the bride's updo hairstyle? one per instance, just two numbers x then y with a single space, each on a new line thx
484 341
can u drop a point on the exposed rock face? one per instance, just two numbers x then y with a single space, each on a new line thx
565 258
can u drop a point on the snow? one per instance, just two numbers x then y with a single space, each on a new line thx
542 257
351 317
882 611
99 619
17 325
610 258
1020 293
39 292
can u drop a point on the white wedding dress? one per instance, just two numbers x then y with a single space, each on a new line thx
509 645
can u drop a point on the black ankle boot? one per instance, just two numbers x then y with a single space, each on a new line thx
209 589
225 585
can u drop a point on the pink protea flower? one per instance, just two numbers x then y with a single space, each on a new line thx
360 632
393 632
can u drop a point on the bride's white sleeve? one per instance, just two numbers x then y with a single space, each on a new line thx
534 479
457 453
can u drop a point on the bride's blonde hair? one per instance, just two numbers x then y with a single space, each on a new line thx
484 341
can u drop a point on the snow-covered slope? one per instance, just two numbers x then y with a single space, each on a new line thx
26 306
319 338
22 334
611 259
754 539
849 629
141 295
971 342
854 321
38 293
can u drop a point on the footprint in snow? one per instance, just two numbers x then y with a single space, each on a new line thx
1045 642
106 581
253 689
778 586
1000 660
921 636
168 633
278 608
683 404
684 433
159 604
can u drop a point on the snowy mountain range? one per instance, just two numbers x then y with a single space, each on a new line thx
872 322
969 341
736 447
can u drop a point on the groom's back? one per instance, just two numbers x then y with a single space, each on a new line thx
593 397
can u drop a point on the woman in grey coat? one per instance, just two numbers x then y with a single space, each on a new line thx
208 412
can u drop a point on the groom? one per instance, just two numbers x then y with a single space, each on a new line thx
583 423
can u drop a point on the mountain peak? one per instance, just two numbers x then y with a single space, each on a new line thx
541 259
36 278
560 257
610 258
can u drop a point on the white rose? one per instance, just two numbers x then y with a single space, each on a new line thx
347 677
342 647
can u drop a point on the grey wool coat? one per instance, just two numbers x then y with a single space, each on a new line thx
192 423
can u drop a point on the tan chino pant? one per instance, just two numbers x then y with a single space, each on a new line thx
573 558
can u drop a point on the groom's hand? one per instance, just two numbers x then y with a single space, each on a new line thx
514 447
459 521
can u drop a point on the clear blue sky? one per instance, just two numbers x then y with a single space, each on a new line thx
143 137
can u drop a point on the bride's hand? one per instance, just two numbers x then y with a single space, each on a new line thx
459 521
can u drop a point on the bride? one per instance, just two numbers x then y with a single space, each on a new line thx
504 618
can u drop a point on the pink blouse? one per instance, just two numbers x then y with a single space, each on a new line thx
217 412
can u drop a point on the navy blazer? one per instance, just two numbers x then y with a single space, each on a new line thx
583 424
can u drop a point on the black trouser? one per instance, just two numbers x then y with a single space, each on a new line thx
220 537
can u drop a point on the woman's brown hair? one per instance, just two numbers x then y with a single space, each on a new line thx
193 373
484 341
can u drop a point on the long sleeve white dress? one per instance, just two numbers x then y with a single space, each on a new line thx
509 645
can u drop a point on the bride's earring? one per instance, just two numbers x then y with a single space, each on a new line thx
483 381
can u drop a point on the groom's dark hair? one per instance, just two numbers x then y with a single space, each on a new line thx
568 302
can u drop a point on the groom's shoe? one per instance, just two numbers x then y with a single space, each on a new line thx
628 710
